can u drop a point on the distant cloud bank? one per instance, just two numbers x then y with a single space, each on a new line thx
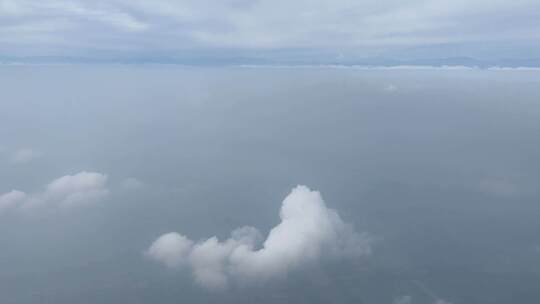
309 232
339 29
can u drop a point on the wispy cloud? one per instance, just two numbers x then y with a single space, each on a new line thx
22 156
132 183
64 192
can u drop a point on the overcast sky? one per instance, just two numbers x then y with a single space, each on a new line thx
336 28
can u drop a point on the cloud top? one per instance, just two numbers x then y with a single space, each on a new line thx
309 232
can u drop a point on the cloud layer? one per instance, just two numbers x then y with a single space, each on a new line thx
308 232
64 192
84 27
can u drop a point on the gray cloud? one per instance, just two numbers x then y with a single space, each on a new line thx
308 232
64 192
164 25
11 200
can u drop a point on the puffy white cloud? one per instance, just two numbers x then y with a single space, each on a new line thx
83 187
309 232
66 191
172 249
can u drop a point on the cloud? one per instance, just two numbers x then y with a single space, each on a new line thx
112 15
500 187
403 300
132 183
390 88
171 249
308 233
64 192
23 156
134 26
11 200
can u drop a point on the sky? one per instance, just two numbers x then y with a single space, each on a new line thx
268 31
269 151
172 184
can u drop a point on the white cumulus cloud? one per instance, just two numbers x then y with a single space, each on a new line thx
309 232
171 249
70 190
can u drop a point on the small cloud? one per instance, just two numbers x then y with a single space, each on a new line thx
390 88
67 191
23 156
132 183
81 188
308 232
